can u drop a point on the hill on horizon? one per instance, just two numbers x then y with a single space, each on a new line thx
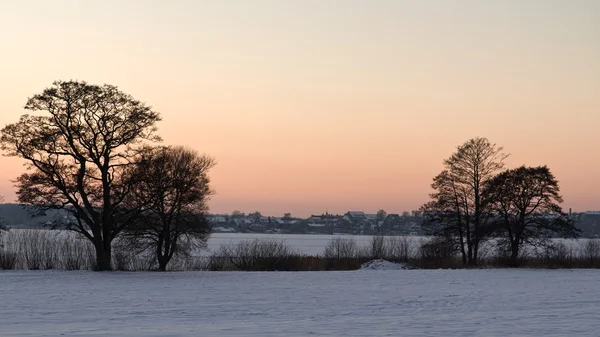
18 216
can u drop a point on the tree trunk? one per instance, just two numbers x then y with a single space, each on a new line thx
514 254
163 260
103 256
470 253
462 251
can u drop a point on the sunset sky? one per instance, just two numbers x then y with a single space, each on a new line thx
329 105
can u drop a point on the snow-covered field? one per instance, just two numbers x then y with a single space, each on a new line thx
358 303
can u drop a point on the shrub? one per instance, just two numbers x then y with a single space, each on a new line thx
400 248
342 248
8 260
438 252
378 247
254 255
590 252
36 250
77 253
557 255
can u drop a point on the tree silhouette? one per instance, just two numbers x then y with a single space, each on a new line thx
526 203
3 227
457 209
172 188
237 214
76 153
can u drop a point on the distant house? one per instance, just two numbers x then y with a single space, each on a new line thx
326 219
393 218
217 220
355 216
391 222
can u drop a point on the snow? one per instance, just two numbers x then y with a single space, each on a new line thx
381 264
448 303
223 229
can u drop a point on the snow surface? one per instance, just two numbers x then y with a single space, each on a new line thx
381 264
384 303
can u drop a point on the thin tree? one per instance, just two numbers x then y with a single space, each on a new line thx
76 152
459 195
443 215
172 187
3 226
526 203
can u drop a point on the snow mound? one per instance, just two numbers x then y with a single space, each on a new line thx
381 264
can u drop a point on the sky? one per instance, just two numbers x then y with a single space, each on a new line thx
312 106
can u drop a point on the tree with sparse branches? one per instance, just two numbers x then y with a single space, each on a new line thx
237 214
457 210
3 227
76 152
172 187
443 215
256 215
526 206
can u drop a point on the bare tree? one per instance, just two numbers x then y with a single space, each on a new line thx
3 227
379 247
76 153
526 202
443 216
172 187
237 214
341 248
256 215
457 207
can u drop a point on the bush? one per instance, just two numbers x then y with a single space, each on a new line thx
590 252
215 263
342 248
378 247
438 252
400 248
77 253
8 260
37 250
255 255
557 255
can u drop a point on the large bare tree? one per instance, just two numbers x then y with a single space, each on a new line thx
172 187
526 205
457 207
77 145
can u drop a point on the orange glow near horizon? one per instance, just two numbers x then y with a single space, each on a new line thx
329 105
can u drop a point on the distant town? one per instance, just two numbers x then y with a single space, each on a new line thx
352 223
349 223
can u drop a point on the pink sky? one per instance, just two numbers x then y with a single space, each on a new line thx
337 105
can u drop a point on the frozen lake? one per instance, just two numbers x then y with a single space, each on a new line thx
315 244
358 303
306 244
